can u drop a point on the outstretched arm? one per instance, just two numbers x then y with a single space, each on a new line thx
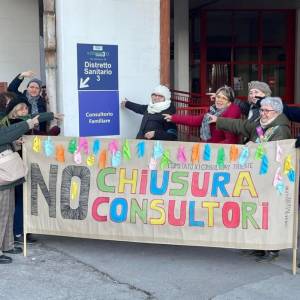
193 121
16 82
13 132
137 108
236 126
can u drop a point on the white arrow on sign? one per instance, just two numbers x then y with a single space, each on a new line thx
83 83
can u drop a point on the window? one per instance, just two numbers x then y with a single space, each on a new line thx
236 46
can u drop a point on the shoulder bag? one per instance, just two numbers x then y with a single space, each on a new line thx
12 167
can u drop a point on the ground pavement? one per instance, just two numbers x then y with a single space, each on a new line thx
71 268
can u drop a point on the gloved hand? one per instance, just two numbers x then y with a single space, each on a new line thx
297 144
33 122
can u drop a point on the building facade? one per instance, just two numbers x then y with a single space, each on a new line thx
192 46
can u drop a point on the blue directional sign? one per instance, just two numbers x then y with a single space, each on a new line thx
99 113
97 67
98 95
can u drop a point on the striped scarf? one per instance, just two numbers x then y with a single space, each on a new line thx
33 102
205 133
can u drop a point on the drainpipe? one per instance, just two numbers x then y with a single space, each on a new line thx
165 42
50 52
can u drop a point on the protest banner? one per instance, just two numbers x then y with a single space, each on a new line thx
215 195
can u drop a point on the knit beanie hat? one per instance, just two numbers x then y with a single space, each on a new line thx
37 81
261 86
164 91
14 102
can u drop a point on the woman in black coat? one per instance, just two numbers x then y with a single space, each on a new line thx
154 126
36 103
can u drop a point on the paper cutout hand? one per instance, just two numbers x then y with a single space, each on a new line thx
96 147
37 144
259 152
48 147
165 160
152 164
244 156
113 147
77 157
83 145
60 153
116 159
278 152
158 150
140 149
126 150
221 157
72 146
181 157
234 153
207 152
195 153
102 159
264 165
90 160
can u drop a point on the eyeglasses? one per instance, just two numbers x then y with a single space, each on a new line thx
157 95
222 98
254 93
265 110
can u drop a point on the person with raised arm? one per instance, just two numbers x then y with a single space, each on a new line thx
153 125
224 107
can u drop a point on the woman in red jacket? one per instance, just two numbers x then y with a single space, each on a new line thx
223 107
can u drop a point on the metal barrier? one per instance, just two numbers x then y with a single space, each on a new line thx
185 99
194 104
295 129
188 133
192 134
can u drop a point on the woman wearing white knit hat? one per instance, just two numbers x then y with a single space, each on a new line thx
154 126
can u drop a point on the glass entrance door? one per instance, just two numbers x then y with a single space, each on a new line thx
234 47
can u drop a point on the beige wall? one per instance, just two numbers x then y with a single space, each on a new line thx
181 45
134 26
19 38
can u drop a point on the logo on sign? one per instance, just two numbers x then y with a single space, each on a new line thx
97 48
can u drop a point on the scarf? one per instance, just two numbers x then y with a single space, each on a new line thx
264 125
33 102
254 108
205 133
154 108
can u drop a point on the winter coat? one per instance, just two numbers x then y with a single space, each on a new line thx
41 102
243 105
8 134
292 113
248 109
254 111
54 131
217 136
247 128
154 122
